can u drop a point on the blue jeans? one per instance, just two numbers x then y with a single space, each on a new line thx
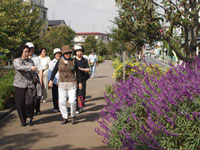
92 69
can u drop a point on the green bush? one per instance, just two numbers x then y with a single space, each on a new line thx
3 60
100 59
6 88
108 57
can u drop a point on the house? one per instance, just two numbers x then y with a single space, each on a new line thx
81 36
54 23
43 9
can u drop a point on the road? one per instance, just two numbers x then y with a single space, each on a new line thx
150 60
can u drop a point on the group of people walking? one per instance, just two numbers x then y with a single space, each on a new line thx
66 76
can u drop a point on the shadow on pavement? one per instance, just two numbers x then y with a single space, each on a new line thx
56 117
94 99
90 117
6 121
23 141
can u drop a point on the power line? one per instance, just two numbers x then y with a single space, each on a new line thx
78 5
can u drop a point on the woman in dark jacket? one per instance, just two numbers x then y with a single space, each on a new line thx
24 86
82 74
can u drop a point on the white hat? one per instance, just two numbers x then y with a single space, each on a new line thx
29 44
78 47
57 50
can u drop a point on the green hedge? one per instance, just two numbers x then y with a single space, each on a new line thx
3 60
6 88
100 59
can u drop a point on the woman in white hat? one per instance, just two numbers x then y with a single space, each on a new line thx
83 69
57 55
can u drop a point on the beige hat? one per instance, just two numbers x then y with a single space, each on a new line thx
66 49
57 50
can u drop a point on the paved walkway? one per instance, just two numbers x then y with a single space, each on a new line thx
48 133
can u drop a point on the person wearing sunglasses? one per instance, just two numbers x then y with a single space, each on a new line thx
67 83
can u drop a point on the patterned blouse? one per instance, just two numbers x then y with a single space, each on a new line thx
23 73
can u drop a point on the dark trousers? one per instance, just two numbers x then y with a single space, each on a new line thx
24 104
37 104
55 96
83 92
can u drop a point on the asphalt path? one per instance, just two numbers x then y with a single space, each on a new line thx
47 133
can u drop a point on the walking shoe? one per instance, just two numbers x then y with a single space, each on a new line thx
23 124
81 109
64 121
38 113
77 112
44 101
55 110
74 120
29 122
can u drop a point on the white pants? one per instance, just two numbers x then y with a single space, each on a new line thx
93 69
63 93
45 87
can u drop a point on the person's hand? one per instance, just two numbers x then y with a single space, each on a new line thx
81 69
80 86
50 84
34 68
41 82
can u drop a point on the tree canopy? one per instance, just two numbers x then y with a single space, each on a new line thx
18 24
143 17
90 44
56 37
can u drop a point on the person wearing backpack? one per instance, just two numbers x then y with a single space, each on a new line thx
82 75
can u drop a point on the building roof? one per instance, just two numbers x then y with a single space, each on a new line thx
91 33
56 22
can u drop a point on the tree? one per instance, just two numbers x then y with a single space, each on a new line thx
18 24
183 16
113 47
90 44
101 48
56 37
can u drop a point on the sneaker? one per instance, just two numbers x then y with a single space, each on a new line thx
77 112
38 113
29 122
44 101
81 109
64 121
55 110
23 124
74 120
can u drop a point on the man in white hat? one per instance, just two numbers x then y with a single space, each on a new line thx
38 64
57 55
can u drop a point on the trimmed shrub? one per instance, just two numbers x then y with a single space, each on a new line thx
6 88
154 113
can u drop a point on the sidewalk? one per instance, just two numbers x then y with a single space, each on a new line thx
48 134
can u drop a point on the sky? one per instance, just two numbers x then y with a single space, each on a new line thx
83 15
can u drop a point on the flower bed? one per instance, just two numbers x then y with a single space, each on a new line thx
155 111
